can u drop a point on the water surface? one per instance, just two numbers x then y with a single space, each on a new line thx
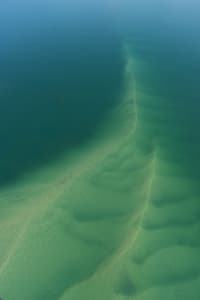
99 156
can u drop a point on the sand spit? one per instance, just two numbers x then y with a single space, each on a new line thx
157 249
118 219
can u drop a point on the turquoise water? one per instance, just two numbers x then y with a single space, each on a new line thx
99 154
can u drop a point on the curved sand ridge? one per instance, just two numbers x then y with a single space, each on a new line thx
106 223
157 256
40 241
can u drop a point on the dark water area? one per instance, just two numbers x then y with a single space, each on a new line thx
60 74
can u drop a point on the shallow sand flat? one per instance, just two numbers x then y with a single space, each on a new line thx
159 255
42 229
118 219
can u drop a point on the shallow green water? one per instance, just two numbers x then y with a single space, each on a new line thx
99 156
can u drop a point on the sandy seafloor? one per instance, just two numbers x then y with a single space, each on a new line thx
119 216
118 219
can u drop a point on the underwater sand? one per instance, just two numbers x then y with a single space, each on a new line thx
116 219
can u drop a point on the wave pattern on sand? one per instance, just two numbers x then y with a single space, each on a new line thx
119 221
